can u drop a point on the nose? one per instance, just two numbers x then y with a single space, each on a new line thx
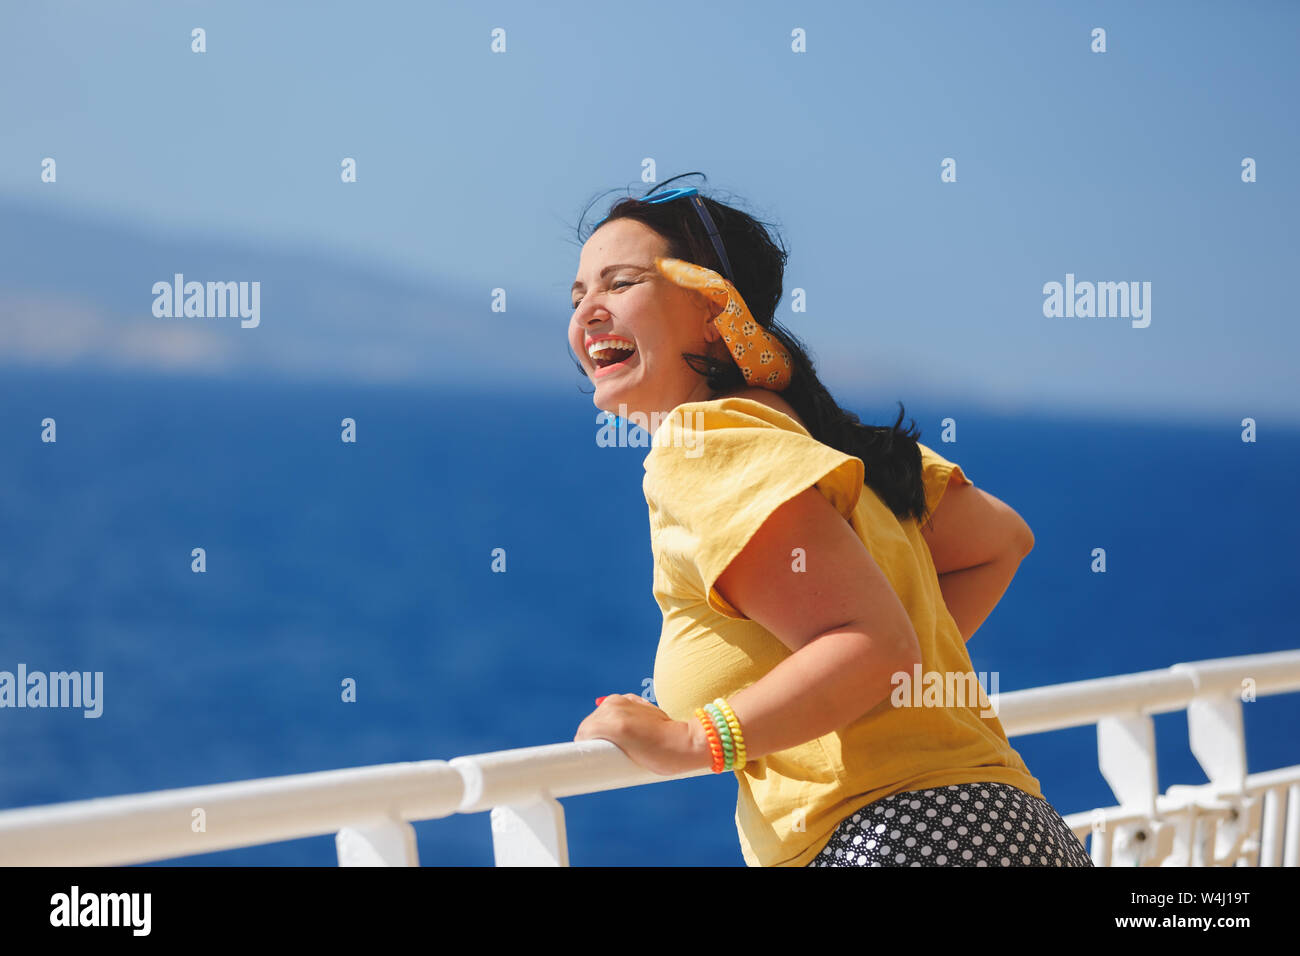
594 314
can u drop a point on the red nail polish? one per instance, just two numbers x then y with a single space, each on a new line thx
599 699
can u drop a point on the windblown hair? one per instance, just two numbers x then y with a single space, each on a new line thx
890 454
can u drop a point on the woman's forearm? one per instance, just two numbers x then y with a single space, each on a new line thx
972 593
828 683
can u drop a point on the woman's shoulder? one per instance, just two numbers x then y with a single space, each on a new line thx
750 423
765 396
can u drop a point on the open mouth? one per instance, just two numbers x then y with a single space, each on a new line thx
609 354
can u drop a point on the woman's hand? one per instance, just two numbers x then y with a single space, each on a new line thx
647 735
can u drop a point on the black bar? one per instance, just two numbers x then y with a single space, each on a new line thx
638 906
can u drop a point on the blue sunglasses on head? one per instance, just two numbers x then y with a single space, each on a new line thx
698 204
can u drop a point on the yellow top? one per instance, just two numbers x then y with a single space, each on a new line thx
716 470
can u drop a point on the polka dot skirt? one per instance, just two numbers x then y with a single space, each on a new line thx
966 824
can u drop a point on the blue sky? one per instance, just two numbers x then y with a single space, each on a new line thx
473 167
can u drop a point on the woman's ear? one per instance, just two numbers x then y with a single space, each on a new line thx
708 308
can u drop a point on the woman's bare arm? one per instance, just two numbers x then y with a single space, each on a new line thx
977 542
848 631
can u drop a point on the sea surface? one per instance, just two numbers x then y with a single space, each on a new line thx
372 560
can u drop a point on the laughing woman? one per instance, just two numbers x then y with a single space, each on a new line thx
801 560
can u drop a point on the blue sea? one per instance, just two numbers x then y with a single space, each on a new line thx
372 560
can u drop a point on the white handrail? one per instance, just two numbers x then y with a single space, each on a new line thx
1059 706
370 807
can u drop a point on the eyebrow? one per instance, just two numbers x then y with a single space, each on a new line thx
608 269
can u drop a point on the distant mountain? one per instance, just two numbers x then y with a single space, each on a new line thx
78 290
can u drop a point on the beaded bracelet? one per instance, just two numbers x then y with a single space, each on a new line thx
722 729
715 742
737 736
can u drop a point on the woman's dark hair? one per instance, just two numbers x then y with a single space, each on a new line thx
890 454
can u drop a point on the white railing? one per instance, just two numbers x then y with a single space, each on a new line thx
1236 818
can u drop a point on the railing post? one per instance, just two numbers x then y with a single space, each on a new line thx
1274 827
1101 843
379 843
1291 854
1126 755
1218 740
1241 831
530 833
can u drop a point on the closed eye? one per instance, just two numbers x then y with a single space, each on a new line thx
614 286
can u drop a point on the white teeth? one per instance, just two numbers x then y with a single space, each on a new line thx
604 344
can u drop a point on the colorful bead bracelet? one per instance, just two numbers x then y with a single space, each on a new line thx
726 743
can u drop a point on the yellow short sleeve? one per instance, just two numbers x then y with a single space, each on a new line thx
936 472
717 470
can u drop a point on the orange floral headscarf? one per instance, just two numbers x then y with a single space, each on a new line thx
763 360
